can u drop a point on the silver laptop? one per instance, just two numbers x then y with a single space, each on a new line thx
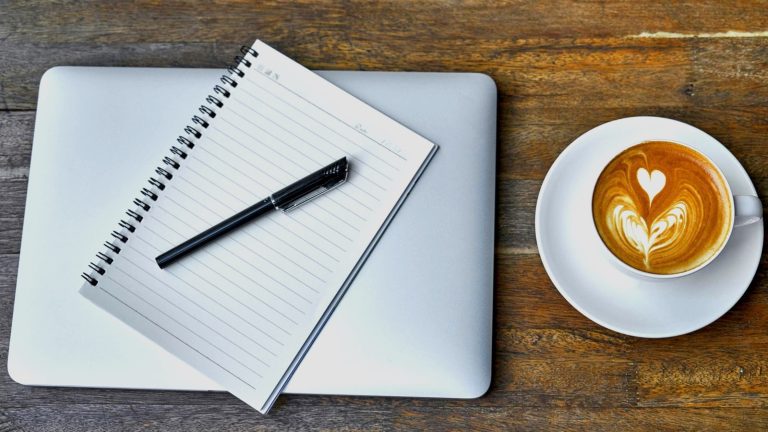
416 321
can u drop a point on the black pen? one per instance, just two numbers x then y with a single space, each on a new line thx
285 199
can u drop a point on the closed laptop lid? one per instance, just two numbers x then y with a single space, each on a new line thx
417 321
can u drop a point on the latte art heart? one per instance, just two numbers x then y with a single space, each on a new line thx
666 229
662 208
651 183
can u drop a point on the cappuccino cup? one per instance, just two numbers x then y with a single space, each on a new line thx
663 209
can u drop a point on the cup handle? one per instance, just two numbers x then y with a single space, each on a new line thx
749 209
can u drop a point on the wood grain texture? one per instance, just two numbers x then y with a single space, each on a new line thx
561 68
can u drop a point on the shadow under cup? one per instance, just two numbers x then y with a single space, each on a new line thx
663 210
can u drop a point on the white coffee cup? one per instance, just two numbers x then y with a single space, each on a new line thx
747 209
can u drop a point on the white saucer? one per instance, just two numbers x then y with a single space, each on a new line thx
580 268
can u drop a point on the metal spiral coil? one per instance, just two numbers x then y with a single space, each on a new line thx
214 100
185 142
221 90
207 111
178 152
127 226
199 121
164 173
156 183
172 162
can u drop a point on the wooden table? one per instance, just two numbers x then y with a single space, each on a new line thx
561 68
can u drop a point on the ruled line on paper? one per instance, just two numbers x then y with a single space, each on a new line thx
198 320
224 307
323 110
250 249
203 309
234 284
316 121
292 175
258 227
230 165
306 142
221 216
256 282
177 338
279 183
275 221
234 239
295 220
266 188
314 160
153 306
293 162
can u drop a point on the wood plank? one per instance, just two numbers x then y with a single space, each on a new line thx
563 344
180 416
96 417
9 264
16 129
531 139
717 376
13 193
441 21
10 234
15 148
535 73
588 420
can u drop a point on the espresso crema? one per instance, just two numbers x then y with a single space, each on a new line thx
662 208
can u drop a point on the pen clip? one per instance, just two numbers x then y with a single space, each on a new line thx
286 208
311 186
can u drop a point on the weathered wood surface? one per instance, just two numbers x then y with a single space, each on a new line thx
562 68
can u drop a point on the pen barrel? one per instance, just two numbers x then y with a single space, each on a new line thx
214 232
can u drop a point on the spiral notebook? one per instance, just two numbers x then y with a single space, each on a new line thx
245 309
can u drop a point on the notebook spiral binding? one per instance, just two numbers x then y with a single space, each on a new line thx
171 162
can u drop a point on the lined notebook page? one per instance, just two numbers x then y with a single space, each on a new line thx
244 309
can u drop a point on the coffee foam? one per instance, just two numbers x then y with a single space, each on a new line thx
662 208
